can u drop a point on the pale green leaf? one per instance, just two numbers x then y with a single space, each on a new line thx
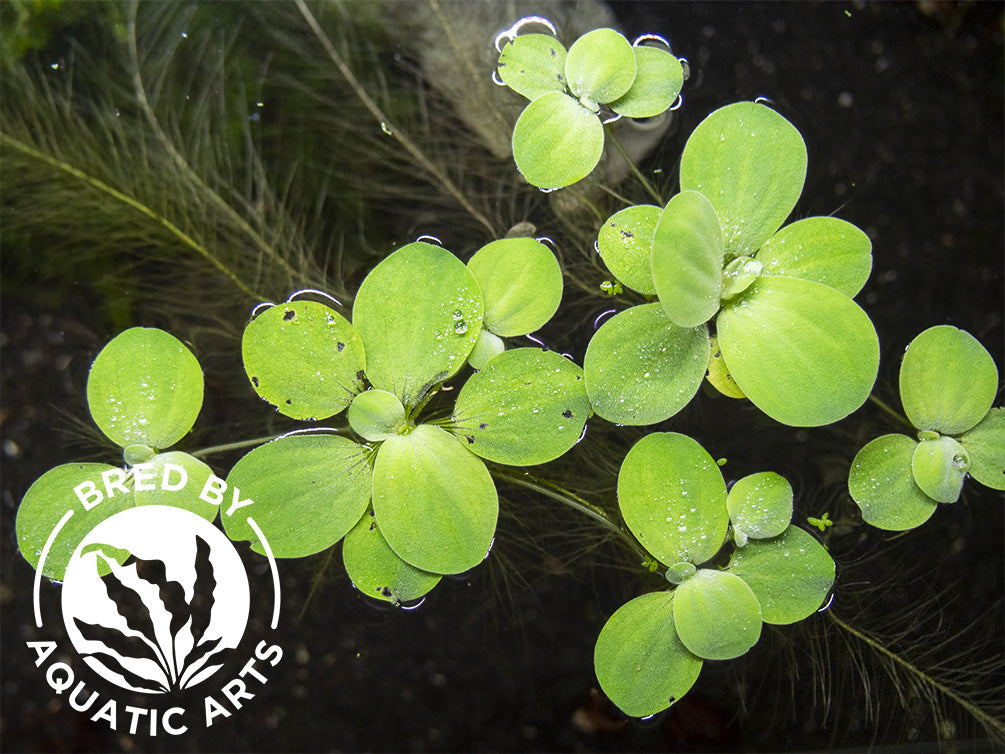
805 354
790 574
825 249
882 483
717 615
526 406
985 444
173 478
532 65
939 468
760 505
376 571
304 358
948 380
640 368
307 492
488 345
659 77
521 285
435 502
557 141
49 499
419 313
751 163
625 243
600 66
687 256
640 662
673 498
376 415
145 387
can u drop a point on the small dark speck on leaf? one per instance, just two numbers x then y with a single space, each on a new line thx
567 413
288 315
360 375
470 439
289 402
340 346
483 425
373 526
627 234
254 381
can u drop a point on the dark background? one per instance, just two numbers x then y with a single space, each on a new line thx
901 107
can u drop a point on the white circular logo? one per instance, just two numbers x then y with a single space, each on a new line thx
155 598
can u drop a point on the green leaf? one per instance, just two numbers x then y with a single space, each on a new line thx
145 387
687 256
600 66
376 571
751 163
673 498
556 141
882 483
486 347
376 415
304 358
521 284
625 243
532 65
790 575
640 662
805 354
419 313
659 77
54 494
985 444
525 407
307 492
948 380
717 615
939 468
435 502
640 368
824 249
760 505
173 478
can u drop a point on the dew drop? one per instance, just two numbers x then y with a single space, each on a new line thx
460 327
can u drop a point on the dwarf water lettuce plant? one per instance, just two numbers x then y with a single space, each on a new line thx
948 382
412 495
144 392
673 498
559 137
770 306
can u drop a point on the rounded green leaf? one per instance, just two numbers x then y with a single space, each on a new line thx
532 65
556 141
57 491
600 66
435 502
525 407
145 387
419 313
521 284
805 354
173 478
673 498
307 492
790 575
751 163
640 662
640 368
882 483
948 380
376 415
939 468
687 255
985 444
825 249
625 243
376 571
717 615
304 358
760 505
659 77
